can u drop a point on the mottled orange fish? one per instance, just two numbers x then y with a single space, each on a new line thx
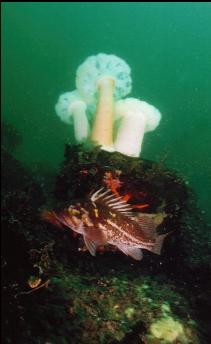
108 219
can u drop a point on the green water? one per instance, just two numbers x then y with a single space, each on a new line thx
168 47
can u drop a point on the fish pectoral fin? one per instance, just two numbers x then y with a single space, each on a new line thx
134 252
91 245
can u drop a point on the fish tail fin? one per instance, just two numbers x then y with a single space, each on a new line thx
159 243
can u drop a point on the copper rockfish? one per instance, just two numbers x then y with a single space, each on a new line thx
108 219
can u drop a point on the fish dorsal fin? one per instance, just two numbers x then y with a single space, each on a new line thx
113 202
134 252
91 245
98 194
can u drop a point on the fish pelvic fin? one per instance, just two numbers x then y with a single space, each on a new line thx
90 245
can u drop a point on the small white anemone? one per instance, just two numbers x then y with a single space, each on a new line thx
137 118
103 78
72 110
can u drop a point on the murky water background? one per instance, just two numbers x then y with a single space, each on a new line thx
169 51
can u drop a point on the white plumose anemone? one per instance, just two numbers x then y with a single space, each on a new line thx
137 118
72 110
103 79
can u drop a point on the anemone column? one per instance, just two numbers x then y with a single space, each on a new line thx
103 123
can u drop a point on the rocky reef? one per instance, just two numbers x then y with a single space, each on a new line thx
151 184
56 292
